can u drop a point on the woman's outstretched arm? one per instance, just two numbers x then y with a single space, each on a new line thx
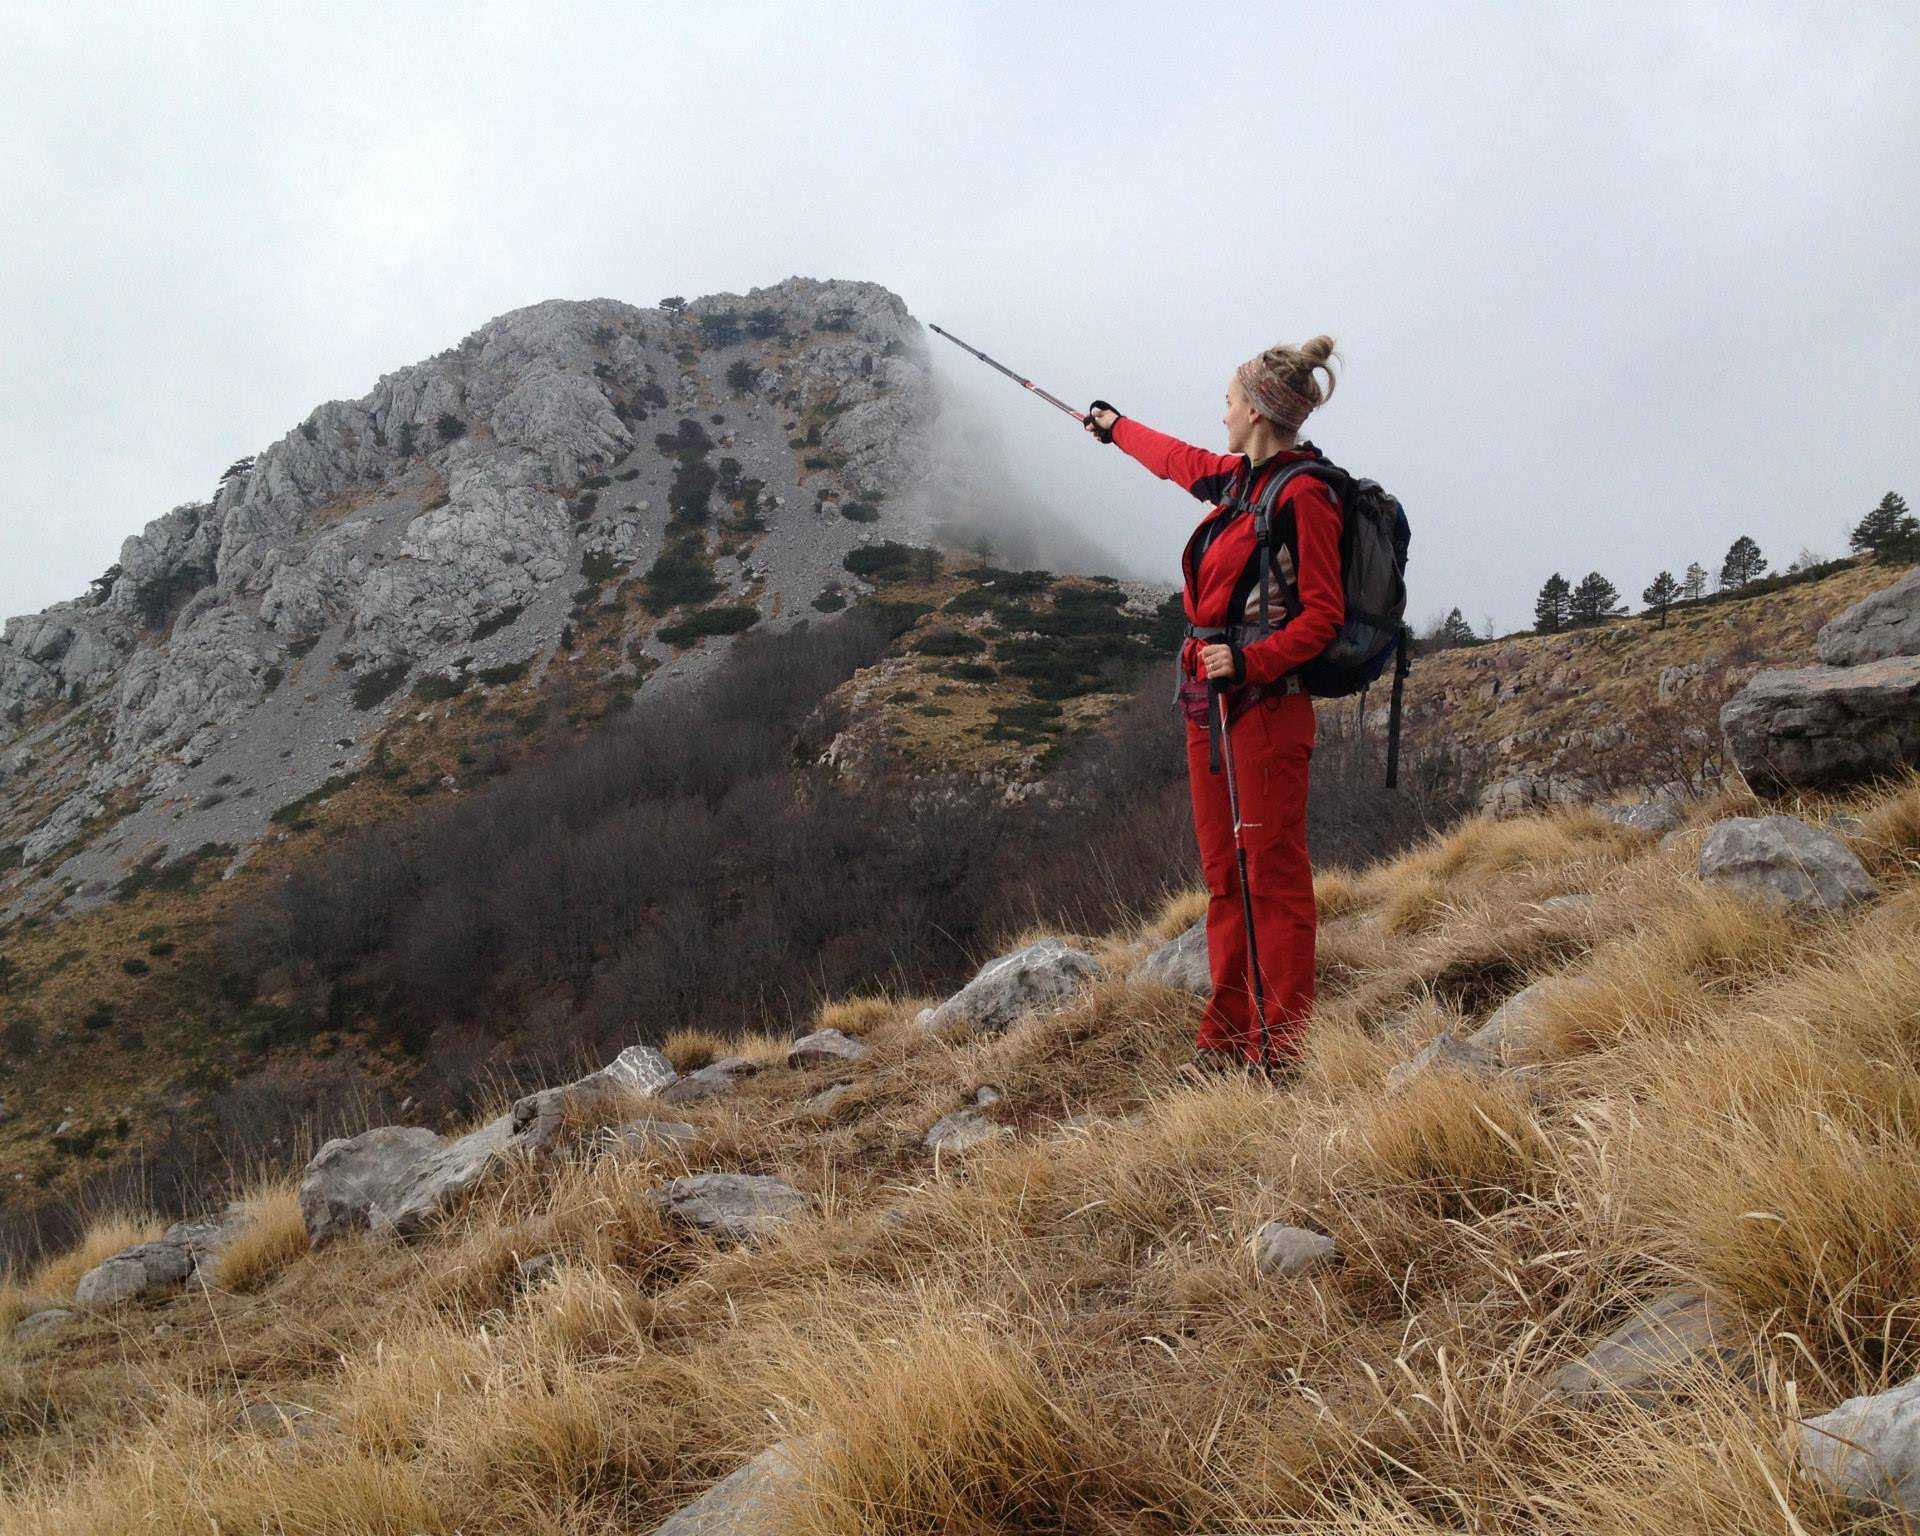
1193 469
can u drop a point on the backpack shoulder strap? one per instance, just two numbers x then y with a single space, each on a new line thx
1263 506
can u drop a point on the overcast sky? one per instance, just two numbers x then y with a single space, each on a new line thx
1614 284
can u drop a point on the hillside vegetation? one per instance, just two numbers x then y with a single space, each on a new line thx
1063 1329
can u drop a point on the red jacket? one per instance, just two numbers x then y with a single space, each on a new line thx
1219 557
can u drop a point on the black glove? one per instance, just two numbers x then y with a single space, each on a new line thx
1105 434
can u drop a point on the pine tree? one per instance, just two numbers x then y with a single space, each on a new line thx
1593 600
1744 564
1889 532
1455 630
1551 609
1694 586
1660 595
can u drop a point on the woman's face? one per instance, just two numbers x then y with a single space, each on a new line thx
1240 416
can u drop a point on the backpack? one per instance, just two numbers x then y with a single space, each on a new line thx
1374 535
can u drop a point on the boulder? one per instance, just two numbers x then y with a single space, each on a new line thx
44 1321
1651 1355
652 1136
747 1503
1442 1053
1784 861
1513 1033
1040 976
961 1130
1180 963
185 1250
638 1072
827 1100
1867 1450
397 1178
1654 816
1825 726
351 1176
1281 1252
713 1081
1885 624
733 1205
825 1048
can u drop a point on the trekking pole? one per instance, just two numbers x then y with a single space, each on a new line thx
1246 895
1052 400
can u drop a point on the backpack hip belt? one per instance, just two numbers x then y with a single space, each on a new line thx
1195 696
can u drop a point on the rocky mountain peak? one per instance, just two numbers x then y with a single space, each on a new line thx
245 648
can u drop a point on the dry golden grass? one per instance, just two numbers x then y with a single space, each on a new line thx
1063 1330
1178 913
273 1236
861 1015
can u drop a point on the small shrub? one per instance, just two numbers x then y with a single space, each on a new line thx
681 575
949 642
298 648
378 686
99 1016
449 427
821 461
511 672
972 672
20 1036
859 511
710 621
433 690
272 678
830 602
894 619
599 566
494 623
595 483
740 377
893 562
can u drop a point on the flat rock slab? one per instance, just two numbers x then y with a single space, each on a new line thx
1884 625
1181 963
186 1249
827 1100
748 1503
734 1205
1443 1053
1515 1032
653 1135
1868 1449
712 1082
1041 976
1784 862
1281 1252
1652 816
961 1130
1652 1355
46 1320
826 1048
1825 726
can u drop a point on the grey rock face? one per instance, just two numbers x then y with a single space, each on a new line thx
351 1175
1442 1053
731 1205
1040 976
825 1048
1512 1033
1885 624
1181 963
44 1321
713 1081
446 499
1784 861
1655 816
961 1131
1651 1355
186 1249
1281 1252
1826 725
1868 1449
653 1136
638 1072
744 1504
827 1100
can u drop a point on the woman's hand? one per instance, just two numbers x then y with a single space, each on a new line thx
1099 420
1217 660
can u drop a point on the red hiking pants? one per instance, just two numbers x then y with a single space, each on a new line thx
1271 742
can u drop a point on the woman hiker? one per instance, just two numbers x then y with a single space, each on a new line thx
1270 717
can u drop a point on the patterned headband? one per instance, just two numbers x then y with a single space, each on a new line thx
1284 406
